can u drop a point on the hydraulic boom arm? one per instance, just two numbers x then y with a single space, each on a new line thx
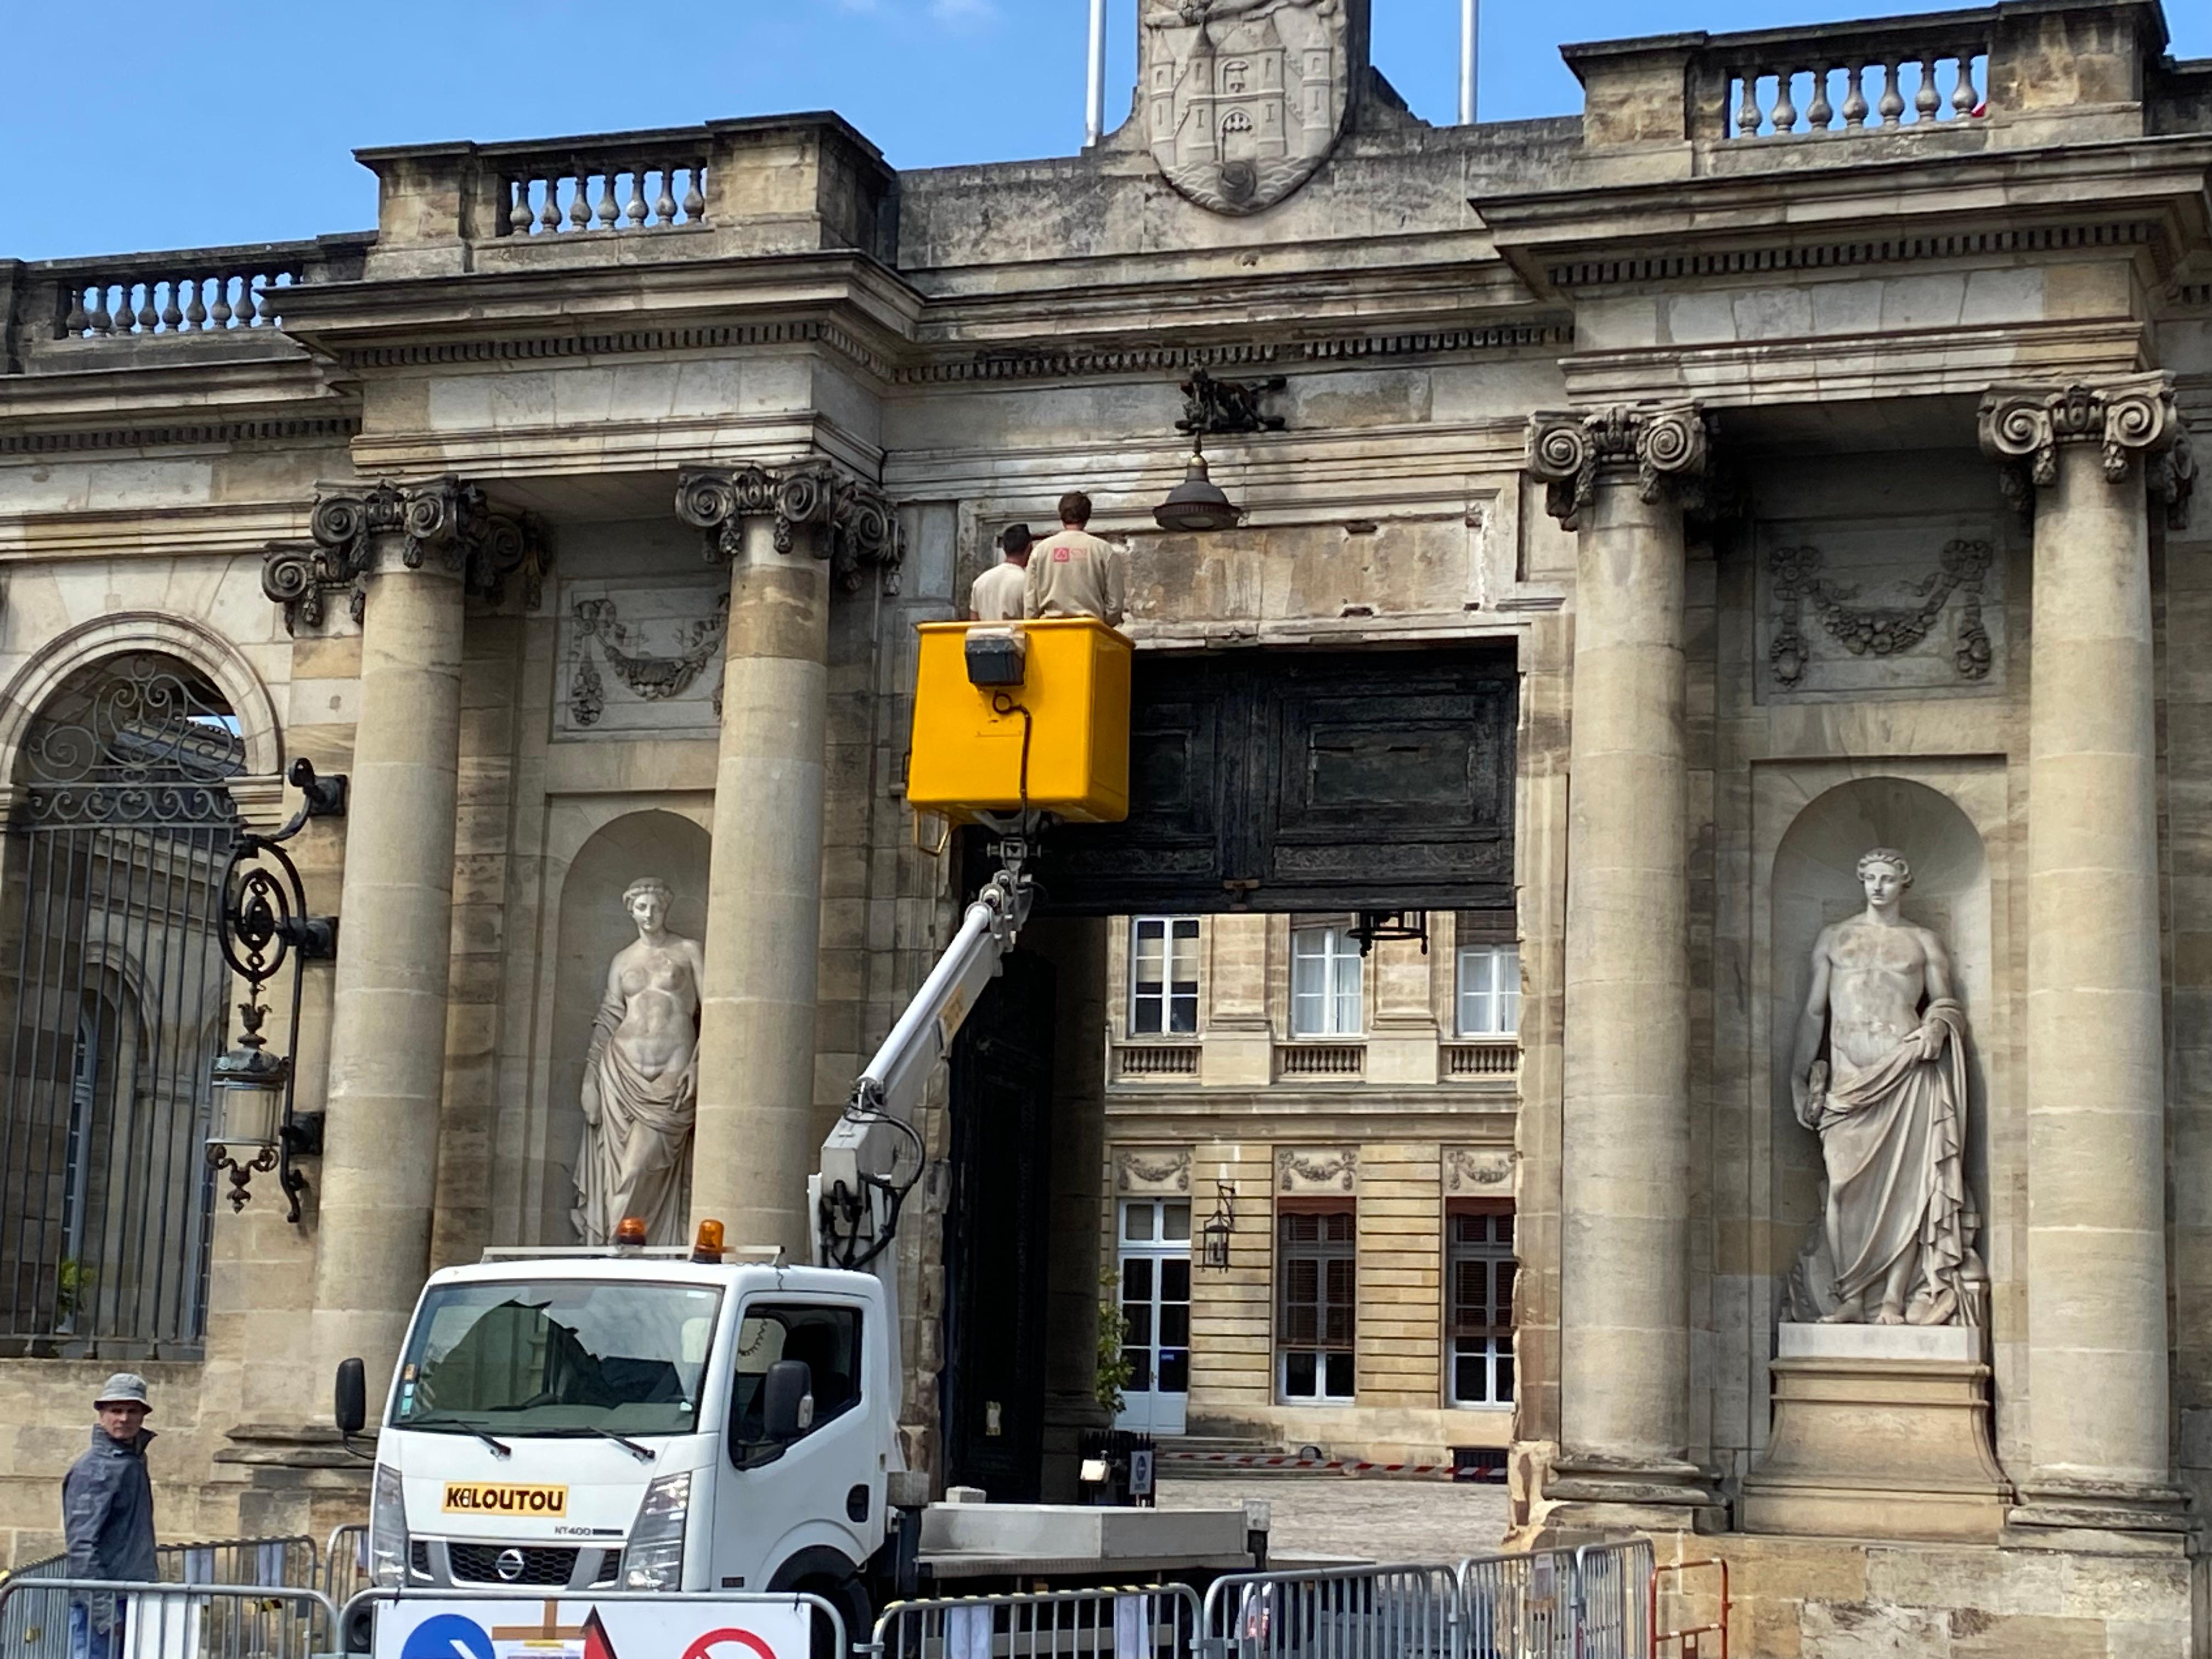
873 1157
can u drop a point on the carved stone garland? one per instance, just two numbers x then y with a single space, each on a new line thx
650 678
859 528
1877 630
1668 444
2128 416
484 544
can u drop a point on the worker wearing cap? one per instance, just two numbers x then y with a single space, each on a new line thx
1074 573
996 595
107 1516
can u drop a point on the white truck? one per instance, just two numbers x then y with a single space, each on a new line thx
672 1420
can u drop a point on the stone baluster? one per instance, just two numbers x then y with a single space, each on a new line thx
1748 115
1890 107
1619 478
787 536
1820 114
1786 111
1855 103
408 552
2097 1350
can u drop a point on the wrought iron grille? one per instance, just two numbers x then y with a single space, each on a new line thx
111 994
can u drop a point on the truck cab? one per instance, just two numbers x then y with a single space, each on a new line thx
638 1420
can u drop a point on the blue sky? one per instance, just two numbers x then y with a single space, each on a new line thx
131 126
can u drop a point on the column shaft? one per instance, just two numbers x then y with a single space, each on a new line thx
387 1063
2096 1248
756 1143
1625 1368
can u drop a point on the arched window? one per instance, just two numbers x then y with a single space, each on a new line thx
1237 121
1233 74
111 979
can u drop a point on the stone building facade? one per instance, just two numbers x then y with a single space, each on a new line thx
1313 1103
1794 445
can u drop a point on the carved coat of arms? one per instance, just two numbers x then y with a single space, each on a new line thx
1243 99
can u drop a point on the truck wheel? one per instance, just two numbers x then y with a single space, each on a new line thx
850 1597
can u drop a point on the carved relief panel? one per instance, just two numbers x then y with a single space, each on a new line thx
638 657
1906 606
1151 1169
1316 1171
1479 1172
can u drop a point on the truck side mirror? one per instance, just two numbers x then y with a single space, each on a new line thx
350 1396
788 1401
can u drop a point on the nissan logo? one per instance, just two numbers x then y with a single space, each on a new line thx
509 1565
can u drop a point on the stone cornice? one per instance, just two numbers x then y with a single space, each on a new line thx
855 526
2129 418
1665 444
338 429
2146 194
558 310
357 530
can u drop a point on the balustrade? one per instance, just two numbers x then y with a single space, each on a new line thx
549 196
106 305
1913 89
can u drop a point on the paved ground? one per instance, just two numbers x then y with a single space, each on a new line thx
1344 1516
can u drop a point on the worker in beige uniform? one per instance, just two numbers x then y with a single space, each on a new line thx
997 594
1074 573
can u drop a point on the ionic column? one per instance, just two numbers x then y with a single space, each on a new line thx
787 537
1617 477
2097 1344
408 553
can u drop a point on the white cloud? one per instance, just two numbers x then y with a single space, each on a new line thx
963 11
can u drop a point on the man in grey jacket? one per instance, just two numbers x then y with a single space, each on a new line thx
107 1516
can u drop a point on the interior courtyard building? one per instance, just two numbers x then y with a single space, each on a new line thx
1646 514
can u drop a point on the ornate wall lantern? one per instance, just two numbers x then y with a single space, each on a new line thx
1212 405
264 924
1214 1238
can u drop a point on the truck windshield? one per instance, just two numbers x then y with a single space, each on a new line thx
546 1356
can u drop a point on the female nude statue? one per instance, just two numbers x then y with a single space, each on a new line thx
1895 1244
641 1080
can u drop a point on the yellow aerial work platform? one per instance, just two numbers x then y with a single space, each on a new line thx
1055 689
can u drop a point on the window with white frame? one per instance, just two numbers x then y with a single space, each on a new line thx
1163 976
1325 983
1489 990
1479 1258
1316 1277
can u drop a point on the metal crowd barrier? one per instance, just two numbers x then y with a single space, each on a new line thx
1612 1599
34 1622
1152 1621
171 1620
1518 1607
1394 1612
345 1563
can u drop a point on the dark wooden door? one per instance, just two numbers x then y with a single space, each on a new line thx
996 1241
1304 781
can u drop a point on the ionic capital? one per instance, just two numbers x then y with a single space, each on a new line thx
358 530
2129 417
855 526
1668 444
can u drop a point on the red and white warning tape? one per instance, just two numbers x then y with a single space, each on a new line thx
1289 1461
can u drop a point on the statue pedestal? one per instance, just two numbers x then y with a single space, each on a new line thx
1879 1431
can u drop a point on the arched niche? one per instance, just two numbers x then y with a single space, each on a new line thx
1815 882
593 926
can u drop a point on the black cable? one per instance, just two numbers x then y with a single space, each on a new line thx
1003 704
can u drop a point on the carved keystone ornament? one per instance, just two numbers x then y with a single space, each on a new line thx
2128 416
1668 444
1243 99
857 528
354 529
